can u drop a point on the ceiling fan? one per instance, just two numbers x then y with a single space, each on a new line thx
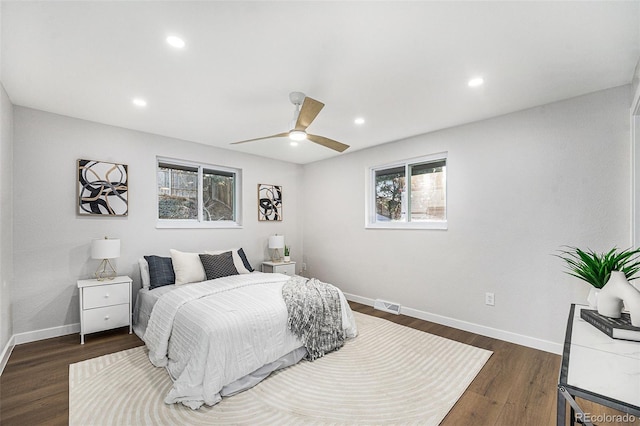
306 111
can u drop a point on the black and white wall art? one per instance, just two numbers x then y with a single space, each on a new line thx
269 202
103 188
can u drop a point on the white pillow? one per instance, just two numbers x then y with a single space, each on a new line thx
187 267
237 260
144 272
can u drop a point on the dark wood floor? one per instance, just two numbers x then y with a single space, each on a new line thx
517 386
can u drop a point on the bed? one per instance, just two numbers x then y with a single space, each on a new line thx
219 336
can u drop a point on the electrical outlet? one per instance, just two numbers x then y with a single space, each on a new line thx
489 299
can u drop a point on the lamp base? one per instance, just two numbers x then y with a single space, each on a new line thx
105 271
277 258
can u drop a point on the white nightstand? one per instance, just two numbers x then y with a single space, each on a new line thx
287 268
104 305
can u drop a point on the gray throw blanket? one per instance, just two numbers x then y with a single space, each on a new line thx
315 315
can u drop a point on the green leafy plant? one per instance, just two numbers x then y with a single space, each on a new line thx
287 250
595 268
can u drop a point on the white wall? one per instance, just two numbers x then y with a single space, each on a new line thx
6 218
519 187
52 243
635 151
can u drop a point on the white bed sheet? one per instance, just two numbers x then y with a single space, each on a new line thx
211 336
145 301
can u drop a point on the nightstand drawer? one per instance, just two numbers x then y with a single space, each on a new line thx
286 269
105 318
105 295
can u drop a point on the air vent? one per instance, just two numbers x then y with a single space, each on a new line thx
383 305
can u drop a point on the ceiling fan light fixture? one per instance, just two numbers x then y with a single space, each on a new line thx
297 135
305 112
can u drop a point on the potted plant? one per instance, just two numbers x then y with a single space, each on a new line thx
287 250
595 268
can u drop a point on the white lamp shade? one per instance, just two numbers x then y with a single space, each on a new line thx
105 249
276 241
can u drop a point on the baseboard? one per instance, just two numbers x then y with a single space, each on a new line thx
6 353
46 333
531 342
33 336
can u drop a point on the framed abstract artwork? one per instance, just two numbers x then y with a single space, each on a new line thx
269 202
103 188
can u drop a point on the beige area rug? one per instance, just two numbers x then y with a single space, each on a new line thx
389 374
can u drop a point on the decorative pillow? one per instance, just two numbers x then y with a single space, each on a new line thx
218 265
160 271
239 259
245 262
144 272
187 267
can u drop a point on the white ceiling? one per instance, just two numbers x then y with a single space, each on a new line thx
403 66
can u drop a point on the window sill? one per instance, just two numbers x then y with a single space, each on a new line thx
441 225
192 224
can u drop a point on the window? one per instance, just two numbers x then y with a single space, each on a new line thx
409 194
194 195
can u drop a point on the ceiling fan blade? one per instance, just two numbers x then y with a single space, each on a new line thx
310 109
279 135
329 143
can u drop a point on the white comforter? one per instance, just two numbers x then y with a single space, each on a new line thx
212 333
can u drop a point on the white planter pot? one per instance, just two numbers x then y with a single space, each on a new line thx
592 298
618 292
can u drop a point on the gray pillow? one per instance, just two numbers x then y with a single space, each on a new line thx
160 271
218 265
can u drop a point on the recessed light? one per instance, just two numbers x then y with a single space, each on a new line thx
359 121
139 102
475 82
176 42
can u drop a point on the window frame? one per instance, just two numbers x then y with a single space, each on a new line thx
371 221
236 223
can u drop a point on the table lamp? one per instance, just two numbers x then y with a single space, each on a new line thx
276 242
105 250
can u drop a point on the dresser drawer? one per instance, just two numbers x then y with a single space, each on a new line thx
105 295
99 319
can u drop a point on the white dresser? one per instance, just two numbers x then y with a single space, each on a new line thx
104 305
